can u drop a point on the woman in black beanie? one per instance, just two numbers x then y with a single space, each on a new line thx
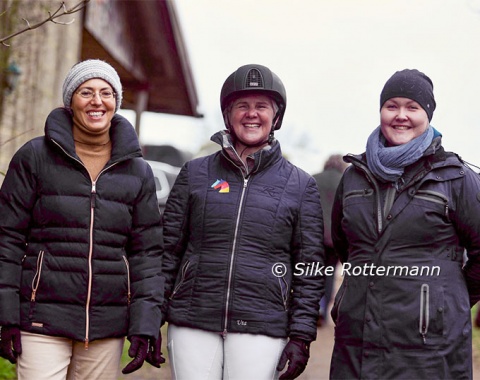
404 214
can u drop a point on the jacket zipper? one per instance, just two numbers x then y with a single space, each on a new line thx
424 312
38 274
389 199
284 293
436 197
93 196
129 294
374 183
359 193
342 296
230 273
90 254
35 283
182 278
90 244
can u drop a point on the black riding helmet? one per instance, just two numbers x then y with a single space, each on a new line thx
252 78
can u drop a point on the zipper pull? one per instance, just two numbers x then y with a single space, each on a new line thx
92 197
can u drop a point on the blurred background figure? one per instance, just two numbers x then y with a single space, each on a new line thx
327 182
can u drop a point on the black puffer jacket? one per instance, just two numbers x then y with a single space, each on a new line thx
407 315
224 235
77 259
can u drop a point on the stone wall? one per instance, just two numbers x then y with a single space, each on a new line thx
44 56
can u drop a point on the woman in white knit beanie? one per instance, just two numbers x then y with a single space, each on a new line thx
80 241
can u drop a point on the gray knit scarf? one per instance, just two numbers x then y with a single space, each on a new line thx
388 162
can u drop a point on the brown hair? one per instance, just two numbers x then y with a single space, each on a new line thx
335 161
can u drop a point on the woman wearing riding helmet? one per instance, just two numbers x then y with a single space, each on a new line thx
236 224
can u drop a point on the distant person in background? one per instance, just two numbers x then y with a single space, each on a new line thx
327 182
80 241
404 213
235 225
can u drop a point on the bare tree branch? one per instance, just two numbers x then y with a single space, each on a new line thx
61 11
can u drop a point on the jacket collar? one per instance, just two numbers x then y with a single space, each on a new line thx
257 161
58 128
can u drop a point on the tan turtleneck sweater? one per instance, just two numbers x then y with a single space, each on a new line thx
93 150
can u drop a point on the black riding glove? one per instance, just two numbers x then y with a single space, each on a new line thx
296 352
10 344
154 356
139 347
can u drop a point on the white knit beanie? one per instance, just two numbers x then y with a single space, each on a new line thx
90 69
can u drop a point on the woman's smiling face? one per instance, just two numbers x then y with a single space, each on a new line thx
402 120
93 114
251 118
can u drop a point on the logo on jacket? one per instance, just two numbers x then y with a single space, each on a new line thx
222 185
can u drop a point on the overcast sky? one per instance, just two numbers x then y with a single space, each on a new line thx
333 57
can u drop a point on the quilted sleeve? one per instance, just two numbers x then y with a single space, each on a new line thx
17 197
175 228
307 248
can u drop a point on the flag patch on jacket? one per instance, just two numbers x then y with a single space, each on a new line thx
222 185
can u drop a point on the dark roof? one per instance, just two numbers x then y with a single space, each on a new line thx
143 41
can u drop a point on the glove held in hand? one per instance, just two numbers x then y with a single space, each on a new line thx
144 348
296 352
10 343
139 347
154 356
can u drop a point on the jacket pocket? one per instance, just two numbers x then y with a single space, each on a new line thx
338 301
431 315
284 291
37 276
36 282
358 194
183 276
424 320
436 198
129 292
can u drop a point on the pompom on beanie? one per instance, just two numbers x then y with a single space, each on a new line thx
411 84
90 69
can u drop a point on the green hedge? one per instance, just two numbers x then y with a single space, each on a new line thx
7 370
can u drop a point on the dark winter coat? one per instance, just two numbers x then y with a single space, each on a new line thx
224 248
406 323
327 182
77 259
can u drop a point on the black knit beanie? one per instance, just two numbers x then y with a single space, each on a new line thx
411 84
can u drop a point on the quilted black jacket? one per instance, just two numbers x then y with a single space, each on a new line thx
79 259
232 243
